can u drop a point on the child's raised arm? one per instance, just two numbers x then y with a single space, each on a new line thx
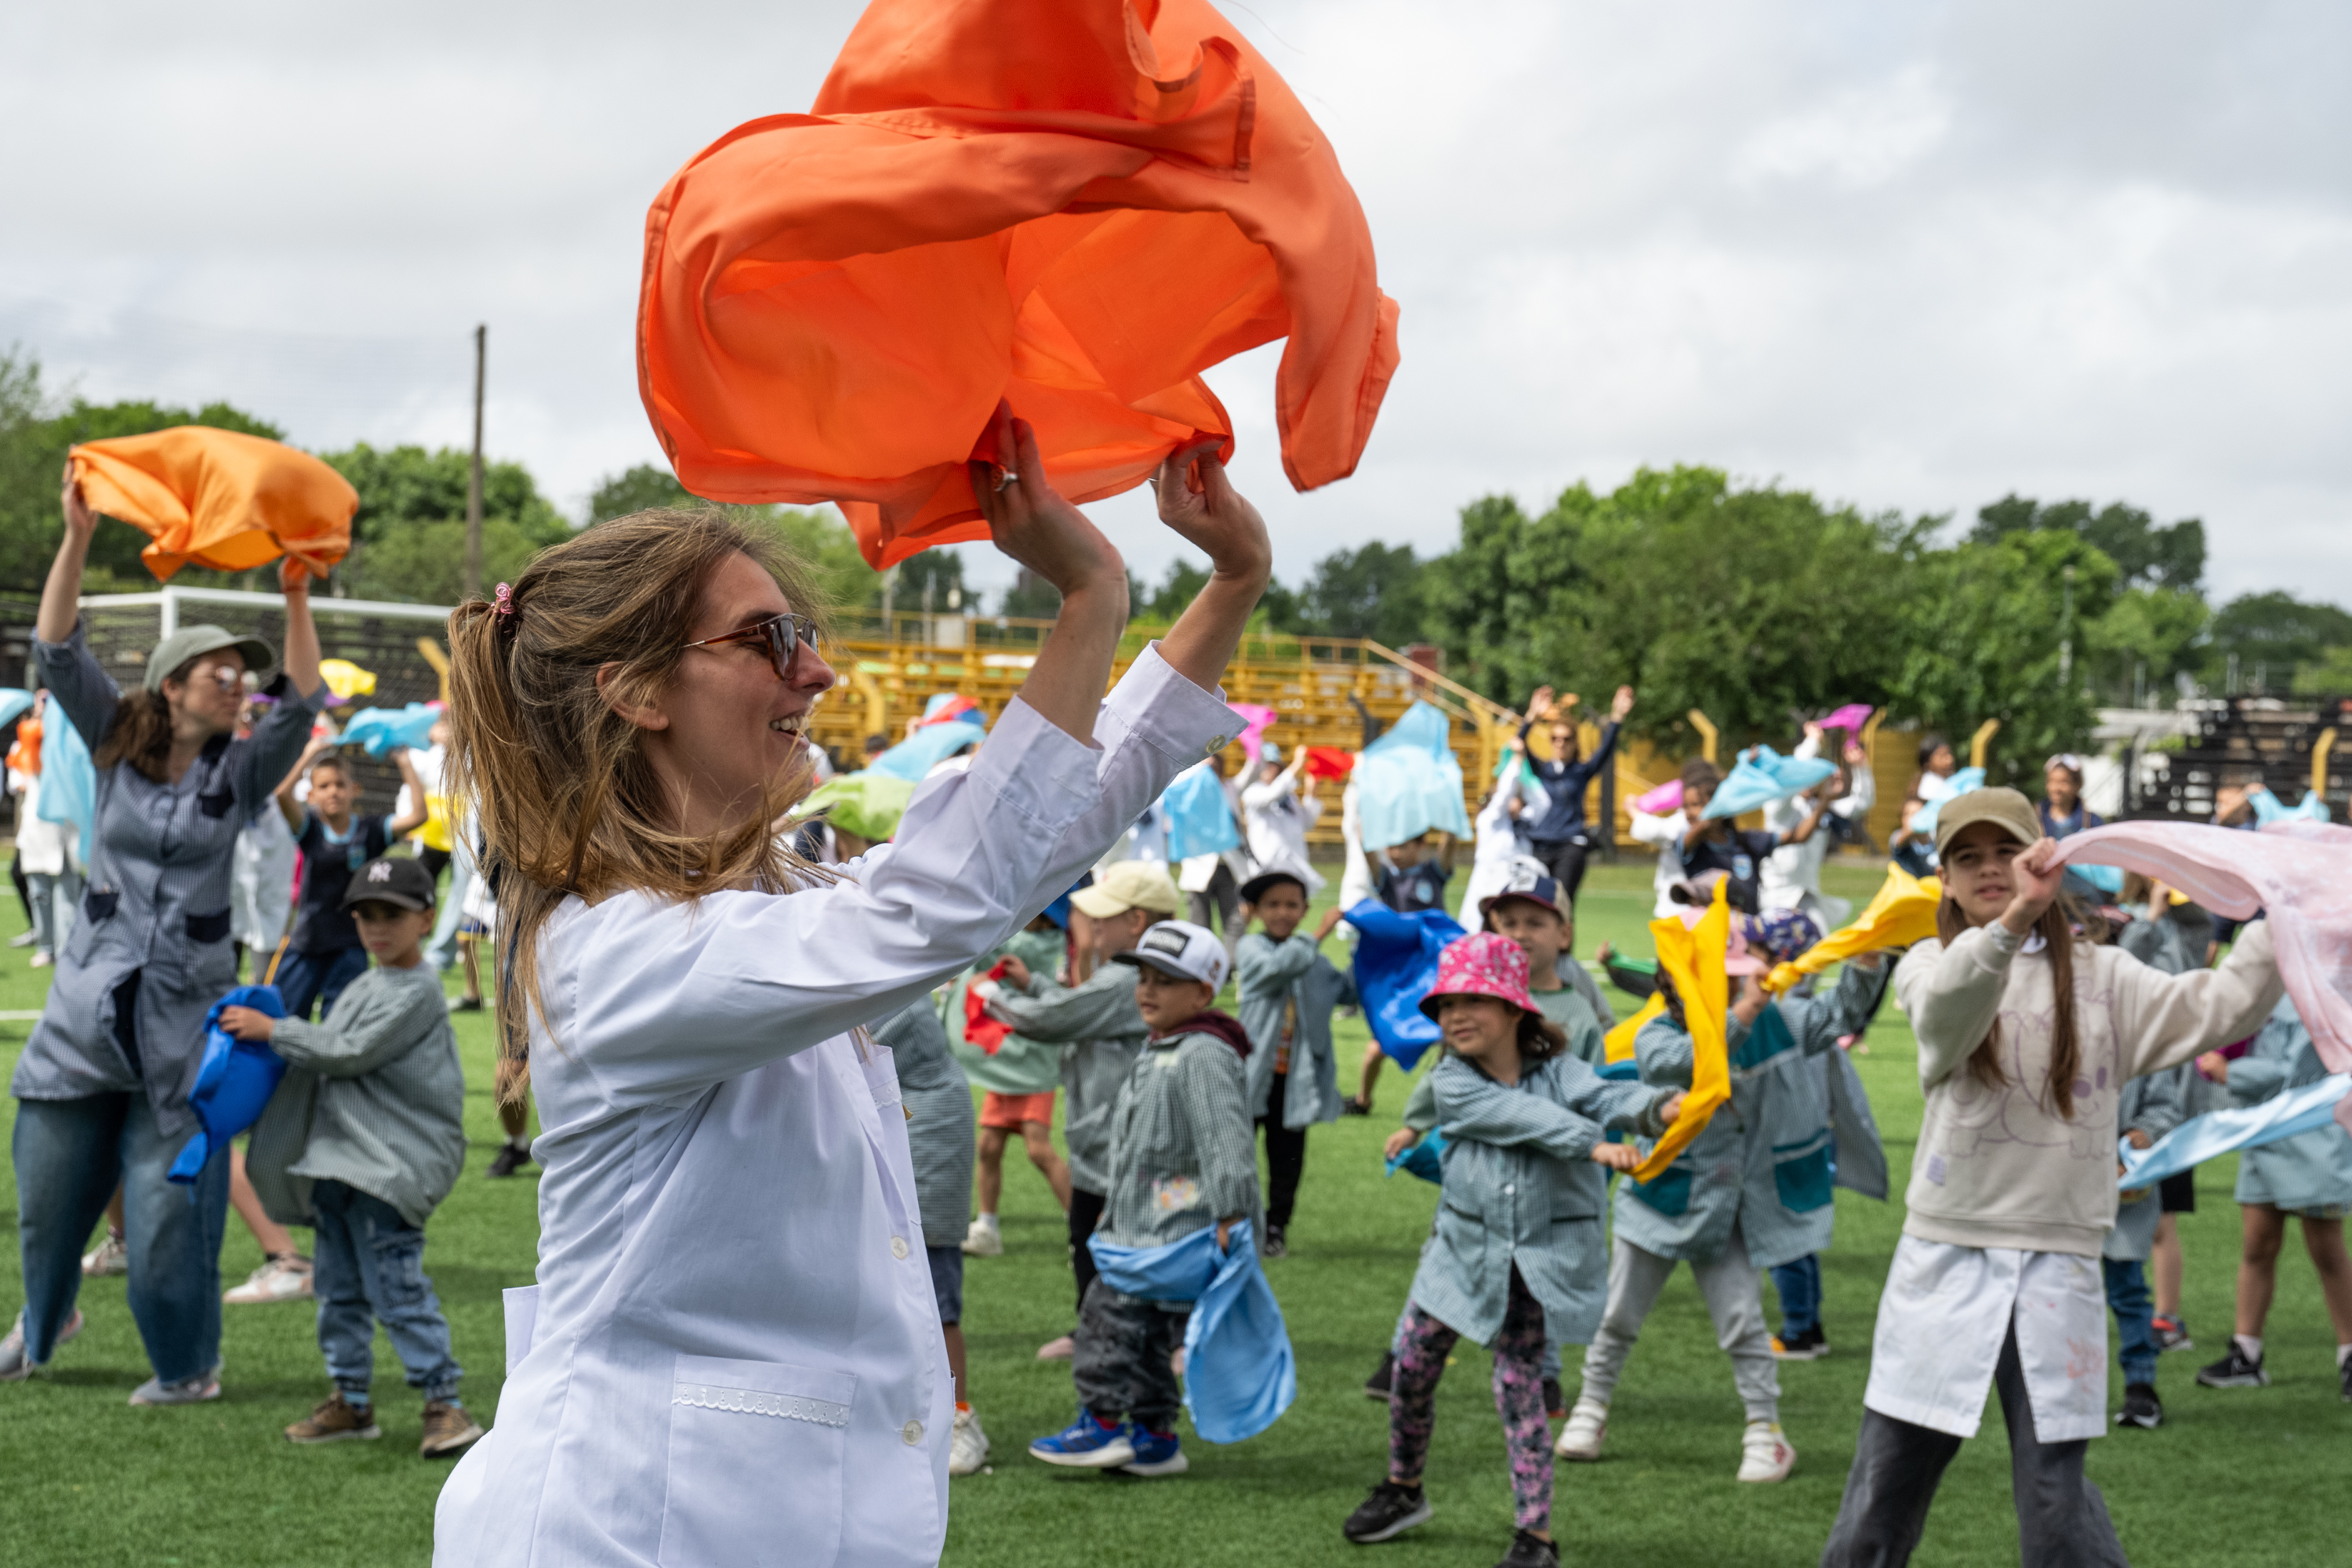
291 809
408 821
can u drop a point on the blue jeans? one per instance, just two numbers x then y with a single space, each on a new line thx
306 977
367 1267
1798 1285
2135 1311
68 1155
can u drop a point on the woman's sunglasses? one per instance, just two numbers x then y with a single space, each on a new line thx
783 635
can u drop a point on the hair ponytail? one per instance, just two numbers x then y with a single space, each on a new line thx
2056 929
553 780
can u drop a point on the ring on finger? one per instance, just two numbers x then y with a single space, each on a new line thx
1007 479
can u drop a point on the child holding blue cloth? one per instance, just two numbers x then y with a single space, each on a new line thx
1517 1251
362 1140
1182 1158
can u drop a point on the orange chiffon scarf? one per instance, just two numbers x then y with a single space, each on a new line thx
219 498
1076 205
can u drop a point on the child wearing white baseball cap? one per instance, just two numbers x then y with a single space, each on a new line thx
1183 1156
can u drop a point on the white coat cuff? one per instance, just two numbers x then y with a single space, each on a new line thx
1157 702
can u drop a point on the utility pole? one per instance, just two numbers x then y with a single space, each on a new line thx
474 485
2066 634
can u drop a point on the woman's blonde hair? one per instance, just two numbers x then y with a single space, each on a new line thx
556 782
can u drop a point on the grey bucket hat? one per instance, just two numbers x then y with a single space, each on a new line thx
189 642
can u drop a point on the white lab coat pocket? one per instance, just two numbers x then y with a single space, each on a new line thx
755 1464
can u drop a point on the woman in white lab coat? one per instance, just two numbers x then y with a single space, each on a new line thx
733 1352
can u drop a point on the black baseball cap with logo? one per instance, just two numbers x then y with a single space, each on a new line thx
390 879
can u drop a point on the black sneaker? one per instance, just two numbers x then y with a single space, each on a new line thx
2141 1407
1811 1345
2234 1371
1555 1402
2344 1376
1354 1108
1529 1551
1380 1383
2172 1335
508 1160
1274 1246
1389 1511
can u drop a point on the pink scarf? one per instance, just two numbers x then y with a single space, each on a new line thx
2300 873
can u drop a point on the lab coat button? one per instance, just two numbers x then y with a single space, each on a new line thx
899 1247
913 1432
1507 1190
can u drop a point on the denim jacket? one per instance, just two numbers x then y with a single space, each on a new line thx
157 908
1521 1192
1767 1163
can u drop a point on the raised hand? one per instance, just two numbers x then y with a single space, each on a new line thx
80 522
1200 503
1621 704
1032 522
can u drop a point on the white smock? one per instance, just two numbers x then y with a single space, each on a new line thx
44 848
1276 817
733 1355
1791 877
261 881
1667 833
1498 840
1942 1320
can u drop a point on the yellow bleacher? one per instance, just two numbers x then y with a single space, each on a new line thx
890 671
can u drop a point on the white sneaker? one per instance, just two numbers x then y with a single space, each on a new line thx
1580 1439
983 1240
278 1279
1764 1454
14 1367
111 1256
967 1444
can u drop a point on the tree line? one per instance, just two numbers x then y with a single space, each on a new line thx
1757 605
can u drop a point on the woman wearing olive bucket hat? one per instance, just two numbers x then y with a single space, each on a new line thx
102 1086
2027 1036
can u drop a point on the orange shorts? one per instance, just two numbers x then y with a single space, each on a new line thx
1008 1111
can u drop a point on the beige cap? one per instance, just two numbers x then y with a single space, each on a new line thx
1129 885
2002 806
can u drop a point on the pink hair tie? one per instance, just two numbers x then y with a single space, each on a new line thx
502 604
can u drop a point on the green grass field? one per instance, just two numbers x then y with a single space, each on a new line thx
93 1482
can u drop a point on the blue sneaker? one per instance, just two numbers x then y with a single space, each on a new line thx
1085 1444
1154 1455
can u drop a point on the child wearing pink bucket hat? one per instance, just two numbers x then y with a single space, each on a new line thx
1517 1251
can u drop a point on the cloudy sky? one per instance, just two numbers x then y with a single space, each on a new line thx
1911 257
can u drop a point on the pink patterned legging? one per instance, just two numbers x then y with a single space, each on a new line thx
1423 1345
